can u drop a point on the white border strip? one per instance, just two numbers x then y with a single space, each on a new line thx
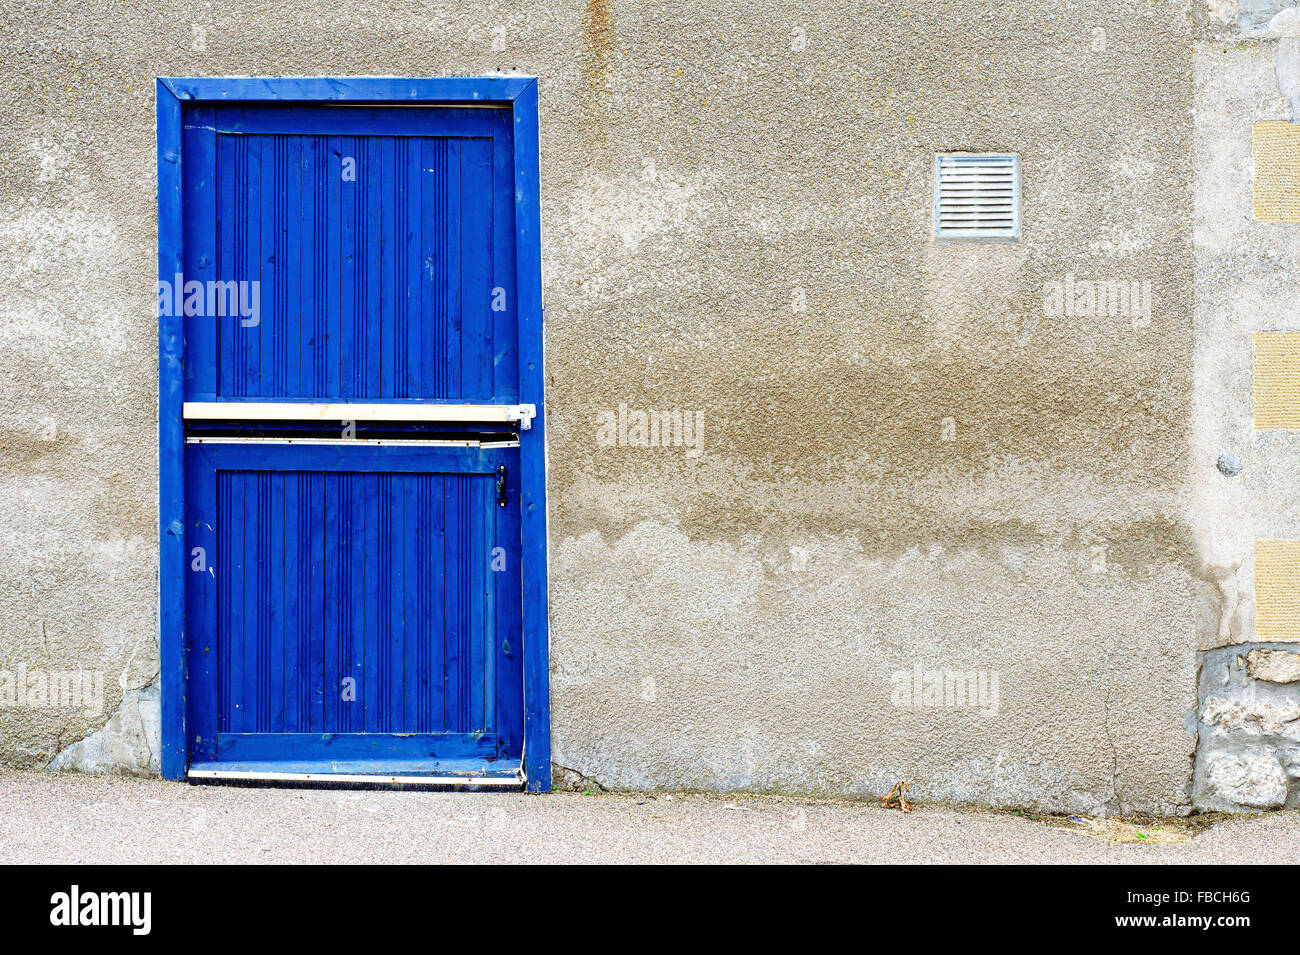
359 778
314 411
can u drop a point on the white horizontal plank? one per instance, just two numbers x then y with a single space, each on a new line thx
312 411
357 442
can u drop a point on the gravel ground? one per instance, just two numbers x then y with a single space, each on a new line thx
71 818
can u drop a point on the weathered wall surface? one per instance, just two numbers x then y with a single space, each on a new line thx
1249 695
905 465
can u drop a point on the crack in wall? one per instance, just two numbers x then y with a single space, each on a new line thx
566 777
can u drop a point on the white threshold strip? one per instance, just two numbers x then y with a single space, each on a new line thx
346 411
271 776
372 442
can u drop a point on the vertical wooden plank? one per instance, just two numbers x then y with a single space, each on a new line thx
426 385
250 338
360 254
294 295
310 288
369 600
318 615
309 633
321 275
355 595
412 247
263 558
482 504
201 587
226 583
292 626
507 632
293 291
465 599
476 270
333 610
249 253
352 623
396 588
369 334
353 269
273 264
436 557
386 324
268 597
172 562
505 324
246 500
342 209
229 189
279 617
246 337
452 373
423 611
532 449
312 660
326 267
441 272
382 555
233 613
414 682
452 566
201 252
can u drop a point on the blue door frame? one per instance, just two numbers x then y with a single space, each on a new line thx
176 96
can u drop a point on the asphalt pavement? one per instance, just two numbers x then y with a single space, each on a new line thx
75 818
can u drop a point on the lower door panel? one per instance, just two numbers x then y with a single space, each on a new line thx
353 605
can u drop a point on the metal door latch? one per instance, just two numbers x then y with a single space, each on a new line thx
501 486
524 414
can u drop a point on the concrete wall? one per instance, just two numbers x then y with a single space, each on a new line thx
1249 722
906 465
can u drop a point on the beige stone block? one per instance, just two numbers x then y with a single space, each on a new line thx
1276 384
1277 590
1275 147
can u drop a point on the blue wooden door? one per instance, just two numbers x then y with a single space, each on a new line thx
354 595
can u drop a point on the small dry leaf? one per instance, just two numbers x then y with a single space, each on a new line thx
897 798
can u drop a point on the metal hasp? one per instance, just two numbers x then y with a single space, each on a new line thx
524 414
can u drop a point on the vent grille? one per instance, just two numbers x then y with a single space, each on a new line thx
977 196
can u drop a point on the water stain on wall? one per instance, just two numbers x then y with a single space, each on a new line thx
597 51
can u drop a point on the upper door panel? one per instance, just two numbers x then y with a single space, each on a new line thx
349 254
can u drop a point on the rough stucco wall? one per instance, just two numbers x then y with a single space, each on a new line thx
730 619
828 536
78 359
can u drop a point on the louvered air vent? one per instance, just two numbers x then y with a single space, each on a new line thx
976 196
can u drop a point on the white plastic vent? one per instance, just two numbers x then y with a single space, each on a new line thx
976 196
